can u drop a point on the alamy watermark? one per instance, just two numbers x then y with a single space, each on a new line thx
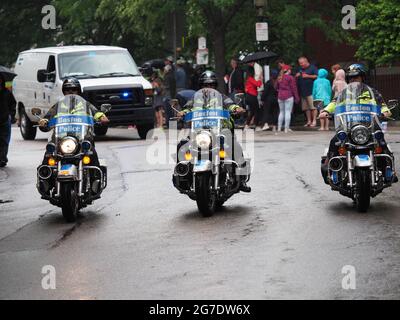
49 20
49 278
349 280
163 149
349 21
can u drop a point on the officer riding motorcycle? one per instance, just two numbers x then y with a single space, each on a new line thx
359 163
71 175
211 158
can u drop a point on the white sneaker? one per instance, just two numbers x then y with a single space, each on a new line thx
266 127
258 129
288 130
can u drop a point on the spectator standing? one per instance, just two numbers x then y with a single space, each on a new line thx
287 96
305 80
270 102
281 63
335 68
169 61
236 80
198 71
251 87
339 83
169 91
258 76
7 115
322 94
189 73
180 75
158 102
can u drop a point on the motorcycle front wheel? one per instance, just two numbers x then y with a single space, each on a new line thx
70 203
206 200
363 196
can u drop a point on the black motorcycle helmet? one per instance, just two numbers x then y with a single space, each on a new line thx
71 84
355 70
208 79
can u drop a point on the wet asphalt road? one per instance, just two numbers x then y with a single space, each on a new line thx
289 238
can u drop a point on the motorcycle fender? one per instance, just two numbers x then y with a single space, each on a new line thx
202 166
68 172
362 161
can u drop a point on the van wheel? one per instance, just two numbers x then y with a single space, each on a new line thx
144 129
100 131
28 132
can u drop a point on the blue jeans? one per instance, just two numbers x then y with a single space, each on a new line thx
285 107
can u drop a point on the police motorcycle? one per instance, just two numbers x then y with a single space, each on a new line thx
361 169
69 179
206 170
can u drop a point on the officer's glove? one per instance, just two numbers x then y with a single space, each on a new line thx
43 123
239 110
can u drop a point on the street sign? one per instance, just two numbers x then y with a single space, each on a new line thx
262 31
202 43
202 56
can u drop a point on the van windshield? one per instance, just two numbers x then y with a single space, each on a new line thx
97 64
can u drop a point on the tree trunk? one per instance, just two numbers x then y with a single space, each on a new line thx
219 54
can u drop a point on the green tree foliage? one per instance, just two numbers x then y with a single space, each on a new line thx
140 26
290 20
21 28
215 17
378 23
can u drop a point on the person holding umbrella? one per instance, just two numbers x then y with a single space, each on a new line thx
7 115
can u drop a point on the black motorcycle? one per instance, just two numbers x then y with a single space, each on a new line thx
70 178
362 168
206 170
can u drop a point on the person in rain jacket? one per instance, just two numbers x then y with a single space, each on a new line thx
322 94
339 84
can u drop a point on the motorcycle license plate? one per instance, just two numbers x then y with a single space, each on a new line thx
66 170
201 165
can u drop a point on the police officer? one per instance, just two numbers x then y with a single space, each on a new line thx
209 80
356 73
7 115
71 86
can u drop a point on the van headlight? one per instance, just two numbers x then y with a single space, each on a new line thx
203 140
360 134
68 145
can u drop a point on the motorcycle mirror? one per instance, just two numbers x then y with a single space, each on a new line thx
36 111
105 107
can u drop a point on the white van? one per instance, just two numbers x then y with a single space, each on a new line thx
106 74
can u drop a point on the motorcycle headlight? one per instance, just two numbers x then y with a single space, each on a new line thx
360 134
68 145
203 140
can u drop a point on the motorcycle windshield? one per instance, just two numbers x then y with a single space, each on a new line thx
356 105
72 118
208 110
